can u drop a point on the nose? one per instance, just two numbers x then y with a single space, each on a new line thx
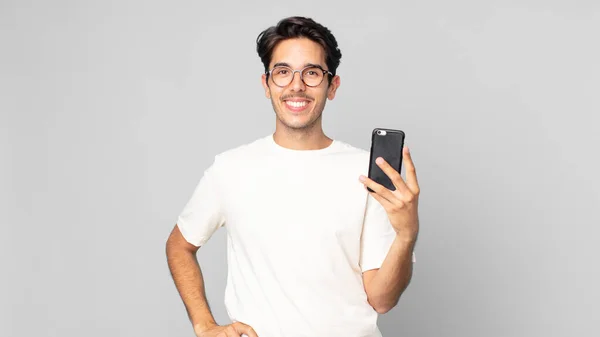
297 83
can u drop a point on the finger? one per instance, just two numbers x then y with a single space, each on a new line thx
232 332
411 172
386 204
380 190
392 174
242 328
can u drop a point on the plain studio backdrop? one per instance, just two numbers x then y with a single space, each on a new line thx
111 110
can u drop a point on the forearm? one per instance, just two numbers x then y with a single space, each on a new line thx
188 279
394 275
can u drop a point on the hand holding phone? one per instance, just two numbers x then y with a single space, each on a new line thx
399 198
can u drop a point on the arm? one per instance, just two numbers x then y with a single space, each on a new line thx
385 285
186 273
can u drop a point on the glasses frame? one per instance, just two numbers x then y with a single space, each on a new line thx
270 73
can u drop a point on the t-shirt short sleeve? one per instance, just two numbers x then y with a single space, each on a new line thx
377 236
203 214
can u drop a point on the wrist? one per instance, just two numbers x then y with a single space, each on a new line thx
406 238
200 328
406 243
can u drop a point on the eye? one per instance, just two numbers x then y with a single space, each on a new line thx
281 71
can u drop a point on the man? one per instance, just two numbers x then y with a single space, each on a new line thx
310 251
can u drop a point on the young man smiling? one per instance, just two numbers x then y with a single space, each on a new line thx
310 251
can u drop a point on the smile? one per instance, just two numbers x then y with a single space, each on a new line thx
296 104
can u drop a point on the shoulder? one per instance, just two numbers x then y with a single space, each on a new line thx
240 153
351 151
351 157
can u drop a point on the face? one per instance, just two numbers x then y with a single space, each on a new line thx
297 105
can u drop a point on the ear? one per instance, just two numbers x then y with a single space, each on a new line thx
266 86
335 84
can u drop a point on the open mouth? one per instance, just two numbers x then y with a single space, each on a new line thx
297 105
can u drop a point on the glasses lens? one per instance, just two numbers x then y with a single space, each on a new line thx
312 76
282 76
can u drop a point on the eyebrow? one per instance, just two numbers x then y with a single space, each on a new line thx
284 64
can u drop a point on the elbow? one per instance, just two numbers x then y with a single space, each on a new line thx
382 306
383 309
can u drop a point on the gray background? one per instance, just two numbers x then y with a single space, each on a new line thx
111 110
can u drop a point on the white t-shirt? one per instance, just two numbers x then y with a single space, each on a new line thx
301 229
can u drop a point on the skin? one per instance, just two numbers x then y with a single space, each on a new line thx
303 131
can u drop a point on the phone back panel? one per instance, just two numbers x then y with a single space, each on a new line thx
388 145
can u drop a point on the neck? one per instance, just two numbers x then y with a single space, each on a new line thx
301 139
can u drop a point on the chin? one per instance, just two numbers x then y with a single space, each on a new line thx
298 123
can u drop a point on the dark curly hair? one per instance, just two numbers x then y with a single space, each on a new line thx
295 27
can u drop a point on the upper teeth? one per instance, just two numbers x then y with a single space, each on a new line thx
296 104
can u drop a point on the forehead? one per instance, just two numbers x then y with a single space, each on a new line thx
297 52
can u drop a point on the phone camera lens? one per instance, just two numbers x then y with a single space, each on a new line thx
379 132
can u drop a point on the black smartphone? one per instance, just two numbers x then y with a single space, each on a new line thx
388 144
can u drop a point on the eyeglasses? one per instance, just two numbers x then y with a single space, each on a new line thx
312 75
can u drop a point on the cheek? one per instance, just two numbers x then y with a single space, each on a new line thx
273 94
321 96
